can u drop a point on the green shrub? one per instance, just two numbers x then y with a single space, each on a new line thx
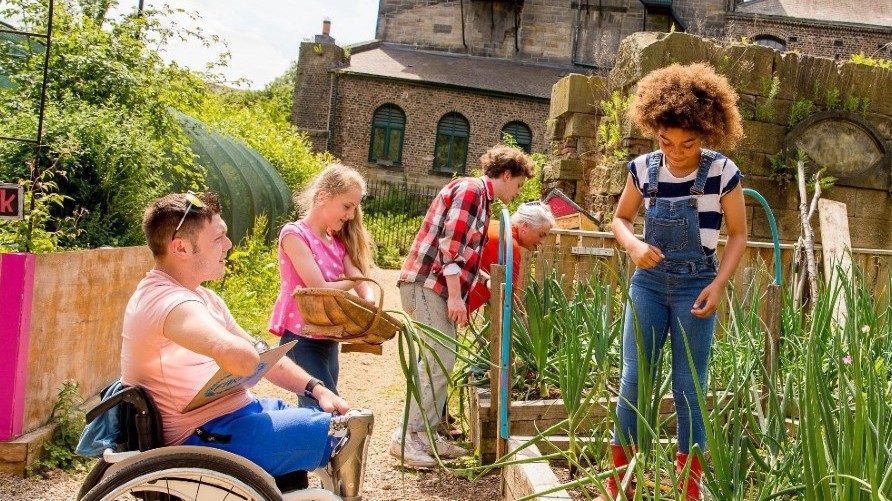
251 283
392 234
802 109
765 110
69 421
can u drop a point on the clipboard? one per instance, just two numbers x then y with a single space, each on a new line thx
224 383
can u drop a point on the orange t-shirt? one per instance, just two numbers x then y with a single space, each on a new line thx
480 293
170 373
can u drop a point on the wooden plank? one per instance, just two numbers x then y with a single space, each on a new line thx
530 478
89 291
497 293
837 244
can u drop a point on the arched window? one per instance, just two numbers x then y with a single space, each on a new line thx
770 41
388 127
451 148
521 134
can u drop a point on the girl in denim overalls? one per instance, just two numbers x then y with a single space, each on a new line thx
686 191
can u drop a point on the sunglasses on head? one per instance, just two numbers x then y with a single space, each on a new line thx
192 201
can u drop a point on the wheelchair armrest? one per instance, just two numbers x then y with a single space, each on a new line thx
131 394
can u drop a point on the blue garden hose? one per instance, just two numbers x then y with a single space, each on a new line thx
506 258
774 235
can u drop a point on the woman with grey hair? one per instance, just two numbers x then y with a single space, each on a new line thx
530 224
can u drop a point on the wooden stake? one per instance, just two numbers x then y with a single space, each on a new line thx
837 257
496 298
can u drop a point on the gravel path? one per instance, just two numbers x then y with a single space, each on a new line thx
369 381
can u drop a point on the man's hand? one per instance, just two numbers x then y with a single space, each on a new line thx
645 255
458 312
328 401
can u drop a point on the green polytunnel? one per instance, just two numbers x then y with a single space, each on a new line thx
247 183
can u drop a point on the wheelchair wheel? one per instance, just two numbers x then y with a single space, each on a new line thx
93 478
187 476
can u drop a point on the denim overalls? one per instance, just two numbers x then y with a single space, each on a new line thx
662 298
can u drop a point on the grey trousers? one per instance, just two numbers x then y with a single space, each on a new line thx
428 307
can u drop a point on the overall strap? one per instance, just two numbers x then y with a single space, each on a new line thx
653 173
699 187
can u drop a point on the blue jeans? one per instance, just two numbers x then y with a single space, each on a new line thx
319 357
663 302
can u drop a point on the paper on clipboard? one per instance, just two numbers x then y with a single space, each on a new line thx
223 383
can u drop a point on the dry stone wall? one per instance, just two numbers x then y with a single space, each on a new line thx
839 114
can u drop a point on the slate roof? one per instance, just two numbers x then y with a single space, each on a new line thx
865 12
459 70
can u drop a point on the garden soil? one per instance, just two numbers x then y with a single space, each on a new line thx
368 381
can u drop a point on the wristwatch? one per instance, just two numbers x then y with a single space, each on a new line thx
311 385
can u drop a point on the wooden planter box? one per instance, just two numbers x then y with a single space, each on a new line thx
529 418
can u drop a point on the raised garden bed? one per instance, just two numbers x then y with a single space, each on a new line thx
529 418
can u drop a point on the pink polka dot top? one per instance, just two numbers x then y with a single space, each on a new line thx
329 258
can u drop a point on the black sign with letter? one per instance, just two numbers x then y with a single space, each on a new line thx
11 205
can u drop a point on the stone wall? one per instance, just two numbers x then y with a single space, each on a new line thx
312 90
424 106
545 30
837 42
848 130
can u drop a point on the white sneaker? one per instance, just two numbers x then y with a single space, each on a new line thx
445 448
415 454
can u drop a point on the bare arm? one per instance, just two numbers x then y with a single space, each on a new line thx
305 264
362 288
643 254
191 326
734 210
457 310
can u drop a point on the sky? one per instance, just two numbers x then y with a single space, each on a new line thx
264 36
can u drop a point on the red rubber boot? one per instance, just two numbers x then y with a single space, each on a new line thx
690 484
620 459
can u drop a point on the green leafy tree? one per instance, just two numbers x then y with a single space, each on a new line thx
107 126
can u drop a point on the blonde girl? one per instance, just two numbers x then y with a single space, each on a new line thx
326 245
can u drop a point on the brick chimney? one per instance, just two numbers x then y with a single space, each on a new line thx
326 29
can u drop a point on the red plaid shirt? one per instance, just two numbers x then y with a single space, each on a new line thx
453 231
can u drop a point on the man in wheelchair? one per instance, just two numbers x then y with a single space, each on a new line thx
177 334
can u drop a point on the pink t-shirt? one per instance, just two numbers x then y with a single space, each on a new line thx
170 373
329 258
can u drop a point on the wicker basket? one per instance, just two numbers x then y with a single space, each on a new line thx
341 316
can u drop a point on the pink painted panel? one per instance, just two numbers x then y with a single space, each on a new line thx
16 289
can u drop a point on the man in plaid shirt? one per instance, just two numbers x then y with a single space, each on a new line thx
436 280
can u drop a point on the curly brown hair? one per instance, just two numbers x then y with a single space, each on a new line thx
691 97
501 158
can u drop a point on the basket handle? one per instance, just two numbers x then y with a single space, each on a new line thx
380 293
380 311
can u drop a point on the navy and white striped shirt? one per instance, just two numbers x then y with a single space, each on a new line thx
723 177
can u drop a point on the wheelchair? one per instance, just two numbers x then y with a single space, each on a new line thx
143 468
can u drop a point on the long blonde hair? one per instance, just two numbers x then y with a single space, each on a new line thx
335 180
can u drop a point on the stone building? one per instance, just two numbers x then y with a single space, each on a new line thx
444 79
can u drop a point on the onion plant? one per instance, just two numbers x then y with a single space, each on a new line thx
818 428
535 332
582 357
